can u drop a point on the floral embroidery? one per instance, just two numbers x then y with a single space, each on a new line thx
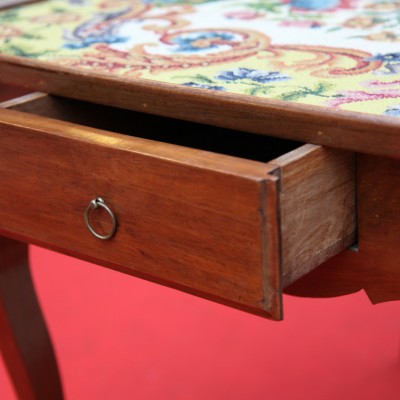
199 41
54 18
252 74
302 24
362 22
204 86
391 62
168 2
384 36
393 111
341 54
8 32
388 5
315 4
243 14
319 5
388 57
348 96
96 30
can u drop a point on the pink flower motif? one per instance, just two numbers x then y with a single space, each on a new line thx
243 15
301 24
8 32
320 5
380 84
352 96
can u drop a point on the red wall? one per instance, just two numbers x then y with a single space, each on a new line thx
117 338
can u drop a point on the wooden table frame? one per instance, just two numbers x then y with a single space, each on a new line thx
373 266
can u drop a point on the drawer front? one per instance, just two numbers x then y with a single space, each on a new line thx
194 220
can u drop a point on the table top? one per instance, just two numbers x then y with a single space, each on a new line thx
324 71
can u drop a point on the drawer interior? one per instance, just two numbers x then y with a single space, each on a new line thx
168 130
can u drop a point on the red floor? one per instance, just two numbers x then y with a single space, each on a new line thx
117 337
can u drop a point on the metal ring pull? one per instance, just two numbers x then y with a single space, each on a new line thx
99 202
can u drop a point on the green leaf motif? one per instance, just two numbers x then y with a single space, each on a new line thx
264 5
199 78
302 92
260 90
20 52
8 16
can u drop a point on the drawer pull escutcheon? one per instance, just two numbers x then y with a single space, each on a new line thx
99 202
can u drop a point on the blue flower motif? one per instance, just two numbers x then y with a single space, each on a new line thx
393 111
203 86
388 57
158 2
164 2
393 68
314 4
86 42
101 28
253 74
391 62
77 2
195 42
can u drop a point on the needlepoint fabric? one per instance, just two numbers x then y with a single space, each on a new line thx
341 54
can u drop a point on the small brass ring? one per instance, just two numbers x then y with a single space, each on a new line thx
99 202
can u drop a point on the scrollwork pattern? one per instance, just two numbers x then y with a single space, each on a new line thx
332 53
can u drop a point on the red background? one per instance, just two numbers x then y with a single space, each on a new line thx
117 337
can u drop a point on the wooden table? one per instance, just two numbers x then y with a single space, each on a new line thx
240 155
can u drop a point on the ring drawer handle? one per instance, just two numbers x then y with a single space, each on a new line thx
99 202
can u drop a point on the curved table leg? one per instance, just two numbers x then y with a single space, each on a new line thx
24 340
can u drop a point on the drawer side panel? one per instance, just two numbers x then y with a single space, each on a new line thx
318 214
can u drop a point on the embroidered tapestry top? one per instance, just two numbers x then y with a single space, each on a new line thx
342 54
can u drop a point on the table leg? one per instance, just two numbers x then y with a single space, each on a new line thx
24 340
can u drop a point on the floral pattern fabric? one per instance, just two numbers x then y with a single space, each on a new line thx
341 54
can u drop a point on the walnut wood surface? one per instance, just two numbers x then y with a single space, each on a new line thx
11 92
24 340
187 218
375 267
347 130
317 199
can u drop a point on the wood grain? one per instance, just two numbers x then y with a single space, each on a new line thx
24 340
346 130
317 204
10 92
188 218
161 129
311 211
375 266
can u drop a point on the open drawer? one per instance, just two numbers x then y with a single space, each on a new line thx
226 215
